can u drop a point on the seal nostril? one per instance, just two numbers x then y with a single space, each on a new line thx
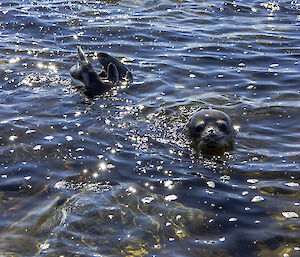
210 130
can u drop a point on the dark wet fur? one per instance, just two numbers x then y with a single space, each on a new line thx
124 73
96 84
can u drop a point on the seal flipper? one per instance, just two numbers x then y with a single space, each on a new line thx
124 73
82 56
129 76
85 72
75 72
112 73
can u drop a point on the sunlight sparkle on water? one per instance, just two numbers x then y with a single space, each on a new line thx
12 138
170 197
14 60
169 184
131 189
102 166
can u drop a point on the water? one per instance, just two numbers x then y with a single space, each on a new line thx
115 175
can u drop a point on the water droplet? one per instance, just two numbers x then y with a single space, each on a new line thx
211 184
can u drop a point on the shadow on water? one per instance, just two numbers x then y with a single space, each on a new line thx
115 175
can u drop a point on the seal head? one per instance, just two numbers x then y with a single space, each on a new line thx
211 131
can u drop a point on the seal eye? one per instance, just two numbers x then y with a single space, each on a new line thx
199 127
223 126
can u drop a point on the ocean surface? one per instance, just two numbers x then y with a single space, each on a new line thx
115 175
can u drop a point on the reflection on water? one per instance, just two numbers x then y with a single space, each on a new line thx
133 186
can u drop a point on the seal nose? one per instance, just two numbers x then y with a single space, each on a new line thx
210 130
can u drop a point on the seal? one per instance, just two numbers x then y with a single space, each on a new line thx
124 73
211 131
96 84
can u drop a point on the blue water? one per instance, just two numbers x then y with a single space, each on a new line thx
115 175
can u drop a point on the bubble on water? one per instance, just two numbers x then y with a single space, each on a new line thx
69 138
168 184
27 178
13 138
225 178
60 184
170 197
110 166
292 184
37 147
252 181
290 214
44 246
29 131
257 198
211 184
147 199
250 87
